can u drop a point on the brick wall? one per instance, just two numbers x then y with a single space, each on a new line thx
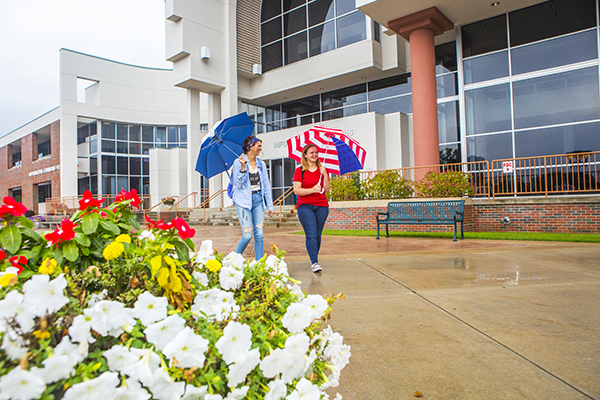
559 215
15 177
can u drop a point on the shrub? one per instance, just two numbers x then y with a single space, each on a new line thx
346 188
98 308
445 184
387 184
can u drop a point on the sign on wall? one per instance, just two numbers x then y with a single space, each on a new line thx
507 167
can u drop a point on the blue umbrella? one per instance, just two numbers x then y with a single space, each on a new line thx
223 144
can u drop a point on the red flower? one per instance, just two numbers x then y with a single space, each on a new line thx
13 207
18 262
135 200
89 201
165 226
185 232
153 224
2 255
64 232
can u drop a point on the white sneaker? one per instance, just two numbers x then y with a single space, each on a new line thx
316 268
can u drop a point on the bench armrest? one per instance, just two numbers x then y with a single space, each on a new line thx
381 213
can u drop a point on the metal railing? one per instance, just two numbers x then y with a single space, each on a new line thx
210 198
279 202
70 204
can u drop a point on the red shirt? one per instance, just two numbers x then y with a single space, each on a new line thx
309 180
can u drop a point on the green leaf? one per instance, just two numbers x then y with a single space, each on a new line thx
58 256
23 276
25 222
11 238
85 251
82 239
32 234
70 250
190 244
111 227
131 219
89 223
182 251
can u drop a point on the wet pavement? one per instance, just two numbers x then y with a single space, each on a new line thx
473 319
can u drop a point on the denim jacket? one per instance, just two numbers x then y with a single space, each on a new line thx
242 195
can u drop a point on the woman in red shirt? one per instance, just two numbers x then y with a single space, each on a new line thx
311 182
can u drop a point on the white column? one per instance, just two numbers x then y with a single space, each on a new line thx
194 136
68 124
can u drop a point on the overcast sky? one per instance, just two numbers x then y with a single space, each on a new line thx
33 31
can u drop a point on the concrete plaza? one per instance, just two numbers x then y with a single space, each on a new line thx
471 319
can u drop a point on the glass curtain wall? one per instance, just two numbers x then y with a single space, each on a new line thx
292 30
118 159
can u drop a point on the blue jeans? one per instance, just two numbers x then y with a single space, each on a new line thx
252 220
313 220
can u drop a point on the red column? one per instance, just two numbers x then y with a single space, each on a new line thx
420 29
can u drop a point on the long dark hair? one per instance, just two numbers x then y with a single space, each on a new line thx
249 142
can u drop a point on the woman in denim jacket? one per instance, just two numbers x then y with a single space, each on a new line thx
251 195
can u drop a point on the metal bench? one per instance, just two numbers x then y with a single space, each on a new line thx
442 212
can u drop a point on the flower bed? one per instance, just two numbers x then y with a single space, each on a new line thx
99 309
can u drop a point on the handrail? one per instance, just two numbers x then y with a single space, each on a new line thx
69 204
193 202
279 202
207 201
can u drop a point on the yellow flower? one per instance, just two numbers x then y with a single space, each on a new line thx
5 279
113 250
48 266
213 265
41 334
123 238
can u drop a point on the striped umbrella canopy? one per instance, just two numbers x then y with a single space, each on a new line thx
338 153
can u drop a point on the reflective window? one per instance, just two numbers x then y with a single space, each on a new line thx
122 147
109 165
484 36
351 29
271 31
322 38
269 10
344 97
486 67
561 98
450 154
134 133
401 104
108 130
489 147
161 136
148 133
448 122
344 6
172 134
108 146
294 21
272 56
93 165
135 148
135 166
447 85
388 87
109 185
82 133
122 165
558 140
183 134
122 133
145 166
553 53
488 109
295 48
549 19
307 105
135 183
345 112
320 11
44 192
445 57
291 4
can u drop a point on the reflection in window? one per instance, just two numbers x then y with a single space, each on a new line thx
388 87
484 36
486 67
345 112
488 109
447 85
553 53
122 133
351 29
561 98
322 38
450 154
344 97
489 147
108 165
401 104
558 140
448 122
295 48
44 192
320 11
108 130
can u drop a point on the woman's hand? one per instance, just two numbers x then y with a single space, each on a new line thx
323 170
271 212
243 162
316 188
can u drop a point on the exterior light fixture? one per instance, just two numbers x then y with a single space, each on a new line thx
506 220
496 3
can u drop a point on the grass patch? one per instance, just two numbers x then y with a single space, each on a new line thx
535 236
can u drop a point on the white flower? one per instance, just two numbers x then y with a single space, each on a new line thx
109 317
187 348
242 366
193 392
13 345
296 370
165 388
147 234
297 290
66 348
20 384
230 278
206 302
275 363
238 394
277 266
297 317
46 296
201 277
317 305
236 339
119 358
132 390
305 391
149 309
298 344
277 390
234 260
96 297
80 329
101 388
147 362
205 252
213 397
57 367
15 305
164 331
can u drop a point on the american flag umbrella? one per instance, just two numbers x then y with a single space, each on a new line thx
337 152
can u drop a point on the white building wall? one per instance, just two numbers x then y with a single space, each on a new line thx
168 173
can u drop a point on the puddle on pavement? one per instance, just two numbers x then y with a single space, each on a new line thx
456 263
511 277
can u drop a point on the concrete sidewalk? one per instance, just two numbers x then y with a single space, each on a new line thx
471 319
